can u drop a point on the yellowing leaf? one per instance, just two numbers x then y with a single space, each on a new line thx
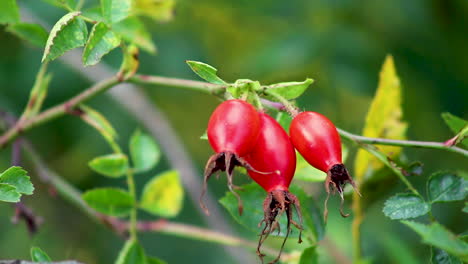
159 10
163 195
384 120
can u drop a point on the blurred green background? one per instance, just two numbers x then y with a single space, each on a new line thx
339 43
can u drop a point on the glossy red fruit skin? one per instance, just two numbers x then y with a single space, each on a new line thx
234 127
273 155
317 139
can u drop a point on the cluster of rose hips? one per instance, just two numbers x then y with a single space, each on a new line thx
242 136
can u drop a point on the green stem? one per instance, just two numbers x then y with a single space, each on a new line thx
56 111
133 213
290 107
403 143
203 87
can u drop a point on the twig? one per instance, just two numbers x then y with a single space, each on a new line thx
403 143
56 111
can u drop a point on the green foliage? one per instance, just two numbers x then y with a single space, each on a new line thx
68 33
99 122
109 201
161 10
114 11
131 253
37 255
384 120
205 71
13 182
8 193
446 187
100 42
134 31
405 206
65 4
163 195
38 93
130 62
436 235
153 260
144 151
288 90
9 13
113 165
439 256
33 33
458 126
309 256
252 196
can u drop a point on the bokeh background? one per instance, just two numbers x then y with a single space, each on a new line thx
339 43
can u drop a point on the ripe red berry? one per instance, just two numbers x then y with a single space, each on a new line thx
318 141
233 129
274 155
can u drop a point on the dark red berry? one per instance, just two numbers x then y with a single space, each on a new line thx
318 141
274 160
233 129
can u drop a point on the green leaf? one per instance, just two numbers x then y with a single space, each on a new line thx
33 33
101 41
109 201
309 256
37 255
114 11
160 10
405 206
438 236
99 122
439 256
465 209
205 71
153 260
253 195
384 120
163 195
135 32
288 90
94 13
144 151
446 187
38 94
130 62
18 178
132 253
284 119
8 193
65 4
113 165
9 13
204 136
459 126
68 33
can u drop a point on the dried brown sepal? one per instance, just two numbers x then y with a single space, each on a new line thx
274 205
337 177
223 161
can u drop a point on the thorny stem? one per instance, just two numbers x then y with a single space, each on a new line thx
290 107
73 195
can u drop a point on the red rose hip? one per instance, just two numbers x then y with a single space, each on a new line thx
318 141
232 131
273 153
